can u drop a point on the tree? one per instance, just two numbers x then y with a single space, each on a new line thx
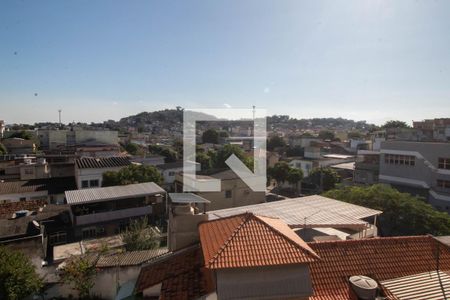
395 124
170 155
132 174
3 150
294 177
210 136
324 178
279 172
139 235
204 160
326 135
132 148
295 151
275 142
226 151
80 272
26 135
403 214
18 277
355 135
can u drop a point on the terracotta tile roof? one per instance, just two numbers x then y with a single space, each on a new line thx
379 258
181 273
102 162
247 240
9 208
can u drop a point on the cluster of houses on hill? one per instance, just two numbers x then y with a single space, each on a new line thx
230 244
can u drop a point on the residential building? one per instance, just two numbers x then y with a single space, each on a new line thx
150 160
108 210
114 269
314 159
89 170
186 211
19 146
94 150
434 129
249 256
50 139
23 167
50 190
234 191
170 170
421 168
314 217
367 167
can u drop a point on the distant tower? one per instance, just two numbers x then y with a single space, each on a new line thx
2 128
59 112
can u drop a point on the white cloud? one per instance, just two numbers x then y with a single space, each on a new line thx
266 90
227 105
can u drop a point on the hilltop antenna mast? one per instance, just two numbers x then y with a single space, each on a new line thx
59 112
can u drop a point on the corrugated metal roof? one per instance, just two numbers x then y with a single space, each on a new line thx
130 258
113 192
432 285
102 162
187 198
310 211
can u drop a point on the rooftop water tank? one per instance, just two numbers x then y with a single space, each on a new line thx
365 287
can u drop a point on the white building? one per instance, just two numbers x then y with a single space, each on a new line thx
89 171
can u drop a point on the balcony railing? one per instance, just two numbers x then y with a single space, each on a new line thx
113 215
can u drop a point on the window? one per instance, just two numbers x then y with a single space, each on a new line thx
57 238
406 160
445 184
23 198
84 184
90 232
228 193
28 171
171 173
444 163
94 183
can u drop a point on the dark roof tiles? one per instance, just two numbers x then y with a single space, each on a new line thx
102 162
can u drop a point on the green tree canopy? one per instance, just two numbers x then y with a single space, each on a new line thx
279 172
79 272
395 124
204 160
326 135
324 178
169 154
132 148
295 176
275 142
210 136
355 135
139 235
403 214
132 174
26 135
18 278
295 151
226 151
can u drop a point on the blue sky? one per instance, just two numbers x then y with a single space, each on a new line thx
99 60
